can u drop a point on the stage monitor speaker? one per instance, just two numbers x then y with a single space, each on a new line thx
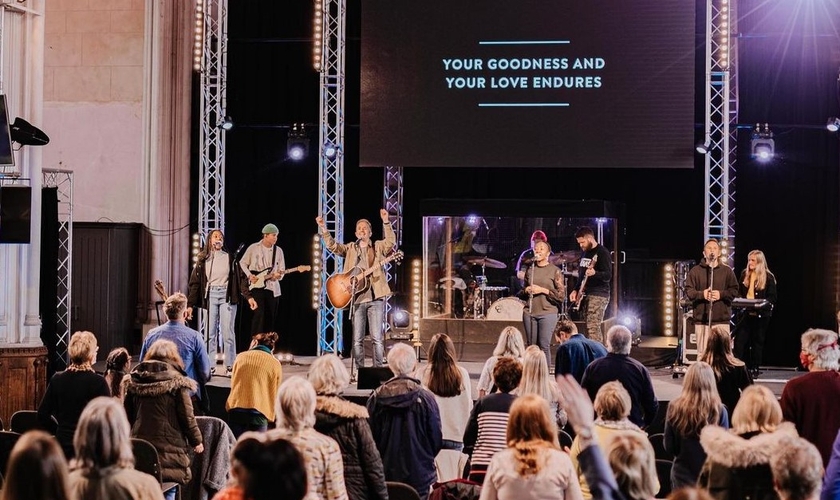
15 213
371 378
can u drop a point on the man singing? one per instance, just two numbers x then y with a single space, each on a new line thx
598 275
368 306
264 264
710 285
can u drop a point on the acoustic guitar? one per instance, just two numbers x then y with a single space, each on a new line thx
342 287
582 292
161 290
261 275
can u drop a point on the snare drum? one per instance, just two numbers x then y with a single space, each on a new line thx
506 309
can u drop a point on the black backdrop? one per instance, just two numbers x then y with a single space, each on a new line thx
788 208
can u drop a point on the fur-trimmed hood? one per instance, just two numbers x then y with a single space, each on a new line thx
340 407
154 378
731 450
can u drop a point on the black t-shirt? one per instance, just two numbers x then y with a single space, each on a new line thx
599 283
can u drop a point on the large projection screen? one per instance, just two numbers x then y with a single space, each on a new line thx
527 83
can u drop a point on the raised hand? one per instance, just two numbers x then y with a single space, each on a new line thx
383 214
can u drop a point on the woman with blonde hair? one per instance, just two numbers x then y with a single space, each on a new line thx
757 282
696 407
731 374
533 466
633 462
69 391
158 404
536 380
738 460
612 407
347 423
450 384
511 344
36 469
295 410
104 465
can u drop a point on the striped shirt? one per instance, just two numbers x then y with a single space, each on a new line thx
487 429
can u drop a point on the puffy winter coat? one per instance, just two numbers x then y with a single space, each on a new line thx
159 408
347 423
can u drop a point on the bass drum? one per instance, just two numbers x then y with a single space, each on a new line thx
506 309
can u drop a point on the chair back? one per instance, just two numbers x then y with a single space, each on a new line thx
456 489
7 442
658 443
401 491
565 439
27 420
663 473
146 458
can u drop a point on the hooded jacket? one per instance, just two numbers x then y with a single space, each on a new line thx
738 466
724 281
347 424
157 401
405 421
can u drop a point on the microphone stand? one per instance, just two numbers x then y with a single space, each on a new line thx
711 288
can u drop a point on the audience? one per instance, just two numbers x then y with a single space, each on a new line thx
36 470
738 461
450 384
295 411
533 466
69 391
347 423
158 405
257 464
257 375
405 421
831 484
104 465
486 429
117 365
618 365
537 380
190 344
633 462
612 406
812 401
575 352
696 407
689 493
731 374
511 344
797 470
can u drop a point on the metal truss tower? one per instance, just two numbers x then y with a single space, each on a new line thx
331 168
213 67
392 200
62 180
721 123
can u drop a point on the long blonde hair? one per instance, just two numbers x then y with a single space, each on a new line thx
510 343
535 377
530 432
761 270
699 403
633 462
718 353
757 410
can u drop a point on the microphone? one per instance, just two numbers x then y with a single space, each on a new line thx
239 248
484 221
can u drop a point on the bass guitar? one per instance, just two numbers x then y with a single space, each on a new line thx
342 287
582 292
261 275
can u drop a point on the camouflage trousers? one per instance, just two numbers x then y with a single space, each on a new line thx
595 307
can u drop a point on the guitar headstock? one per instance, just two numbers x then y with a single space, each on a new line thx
396 256
161 290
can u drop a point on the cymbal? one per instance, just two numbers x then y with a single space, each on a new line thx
563 257
486 262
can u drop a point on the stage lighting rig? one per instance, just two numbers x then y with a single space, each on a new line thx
400 321
762 145
702 147
297 144
833 124
26 134
226 123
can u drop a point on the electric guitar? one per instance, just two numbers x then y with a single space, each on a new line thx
261 275
582 292
342 287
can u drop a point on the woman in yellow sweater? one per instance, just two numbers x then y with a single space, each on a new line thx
253 386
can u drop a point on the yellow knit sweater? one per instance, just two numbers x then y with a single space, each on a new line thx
255 381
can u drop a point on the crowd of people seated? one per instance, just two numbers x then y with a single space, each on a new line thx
299 438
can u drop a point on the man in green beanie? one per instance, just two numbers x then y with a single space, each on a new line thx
265 266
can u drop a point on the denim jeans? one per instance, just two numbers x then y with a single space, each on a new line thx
220 320
539 330
368 316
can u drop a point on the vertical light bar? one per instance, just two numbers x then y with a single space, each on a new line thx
198 40
196 246
416 290
668 300
317 35
316 272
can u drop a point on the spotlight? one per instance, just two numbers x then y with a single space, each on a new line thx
26 134
762 145
226 123
297 144
833 124
702 147
400 321
330 150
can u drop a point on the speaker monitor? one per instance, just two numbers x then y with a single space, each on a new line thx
371 378
15 213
